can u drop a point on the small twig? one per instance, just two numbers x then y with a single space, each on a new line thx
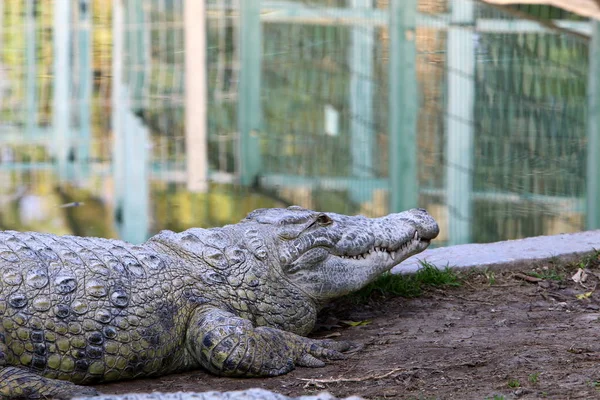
469 284
592 289
558 296
328 336
527 278
362 379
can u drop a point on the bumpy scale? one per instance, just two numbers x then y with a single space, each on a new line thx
235 300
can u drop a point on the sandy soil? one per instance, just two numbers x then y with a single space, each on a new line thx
495 335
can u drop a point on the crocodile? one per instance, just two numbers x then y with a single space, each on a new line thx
238 300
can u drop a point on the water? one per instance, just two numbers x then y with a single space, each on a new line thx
34 199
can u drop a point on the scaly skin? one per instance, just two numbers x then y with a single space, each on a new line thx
236 300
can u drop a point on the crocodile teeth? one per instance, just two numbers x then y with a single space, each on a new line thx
416 236
379 250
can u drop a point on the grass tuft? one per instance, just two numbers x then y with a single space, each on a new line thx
534 378
549 274
490 276
559 271
590 261
514 383
411 285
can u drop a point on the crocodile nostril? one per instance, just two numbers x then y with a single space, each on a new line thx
422 210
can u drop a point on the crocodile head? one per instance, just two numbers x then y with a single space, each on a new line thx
327 255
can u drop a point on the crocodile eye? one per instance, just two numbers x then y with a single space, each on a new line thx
324 220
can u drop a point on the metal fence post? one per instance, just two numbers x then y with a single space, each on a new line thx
61 110
403 106
118 111
593 131
196 96
459 121
84 86
361 95
30 56
249 101
130 145
136 203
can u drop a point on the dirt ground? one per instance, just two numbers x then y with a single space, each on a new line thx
497 336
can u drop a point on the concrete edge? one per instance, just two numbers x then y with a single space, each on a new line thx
509 254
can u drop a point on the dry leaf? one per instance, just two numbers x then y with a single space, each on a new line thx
356 323
584 295
580 276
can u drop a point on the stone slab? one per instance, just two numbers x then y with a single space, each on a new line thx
507 254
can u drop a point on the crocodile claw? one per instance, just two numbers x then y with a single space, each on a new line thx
319 350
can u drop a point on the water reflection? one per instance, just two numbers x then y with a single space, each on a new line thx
35 200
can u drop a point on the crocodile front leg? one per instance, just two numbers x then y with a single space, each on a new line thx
227 345
19 383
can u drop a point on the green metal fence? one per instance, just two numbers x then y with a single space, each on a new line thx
481 115
495 135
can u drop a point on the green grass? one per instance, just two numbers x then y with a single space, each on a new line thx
413 285
559 271
590 261
514 383
534 378
549 274
410 285
490 276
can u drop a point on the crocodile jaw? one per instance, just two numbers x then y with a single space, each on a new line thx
347 273
360 249
386 257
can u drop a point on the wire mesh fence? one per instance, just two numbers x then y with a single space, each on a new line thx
497 147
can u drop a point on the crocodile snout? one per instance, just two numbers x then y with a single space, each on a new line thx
425 225
416 223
